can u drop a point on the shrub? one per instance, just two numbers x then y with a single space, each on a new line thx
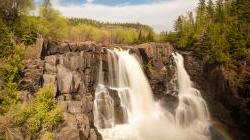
41 113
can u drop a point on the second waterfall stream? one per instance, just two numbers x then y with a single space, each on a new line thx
124 107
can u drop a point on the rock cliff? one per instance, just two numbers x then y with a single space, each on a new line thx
73 69
228 103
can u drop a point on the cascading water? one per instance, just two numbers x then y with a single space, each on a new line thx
192 109
143 118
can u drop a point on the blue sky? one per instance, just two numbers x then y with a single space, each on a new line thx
108 2
160 14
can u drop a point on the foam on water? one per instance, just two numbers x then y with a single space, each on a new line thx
146 119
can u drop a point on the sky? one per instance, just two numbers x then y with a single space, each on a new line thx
159 14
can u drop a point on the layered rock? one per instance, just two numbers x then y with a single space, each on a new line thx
74 74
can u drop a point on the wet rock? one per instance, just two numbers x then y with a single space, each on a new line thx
121 115
170 102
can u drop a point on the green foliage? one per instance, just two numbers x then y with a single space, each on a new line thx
8 97
150 66
52 25
25 30
77 21
6 40
102 33
10 68
122 36
220 31
41 113
11 10
117 33
150 36
12 65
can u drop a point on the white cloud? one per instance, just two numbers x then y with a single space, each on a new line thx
160 15
90 1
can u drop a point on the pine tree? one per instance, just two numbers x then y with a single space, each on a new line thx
220 15
210 10
150 36
201 7
191 18
200 24
178 24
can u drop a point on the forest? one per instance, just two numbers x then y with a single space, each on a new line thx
218 31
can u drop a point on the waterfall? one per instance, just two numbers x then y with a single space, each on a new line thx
192 109
124 107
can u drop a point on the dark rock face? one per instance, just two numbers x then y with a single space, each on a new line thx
223 98
74 76
160 69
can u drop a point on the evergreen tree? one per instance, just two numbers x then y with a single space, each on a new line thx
220 31
12 9
140 37
150 37
178 24
219 16
210 11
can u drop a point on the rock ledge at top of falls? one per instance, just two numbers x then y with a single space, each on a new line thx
53 48
73 69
